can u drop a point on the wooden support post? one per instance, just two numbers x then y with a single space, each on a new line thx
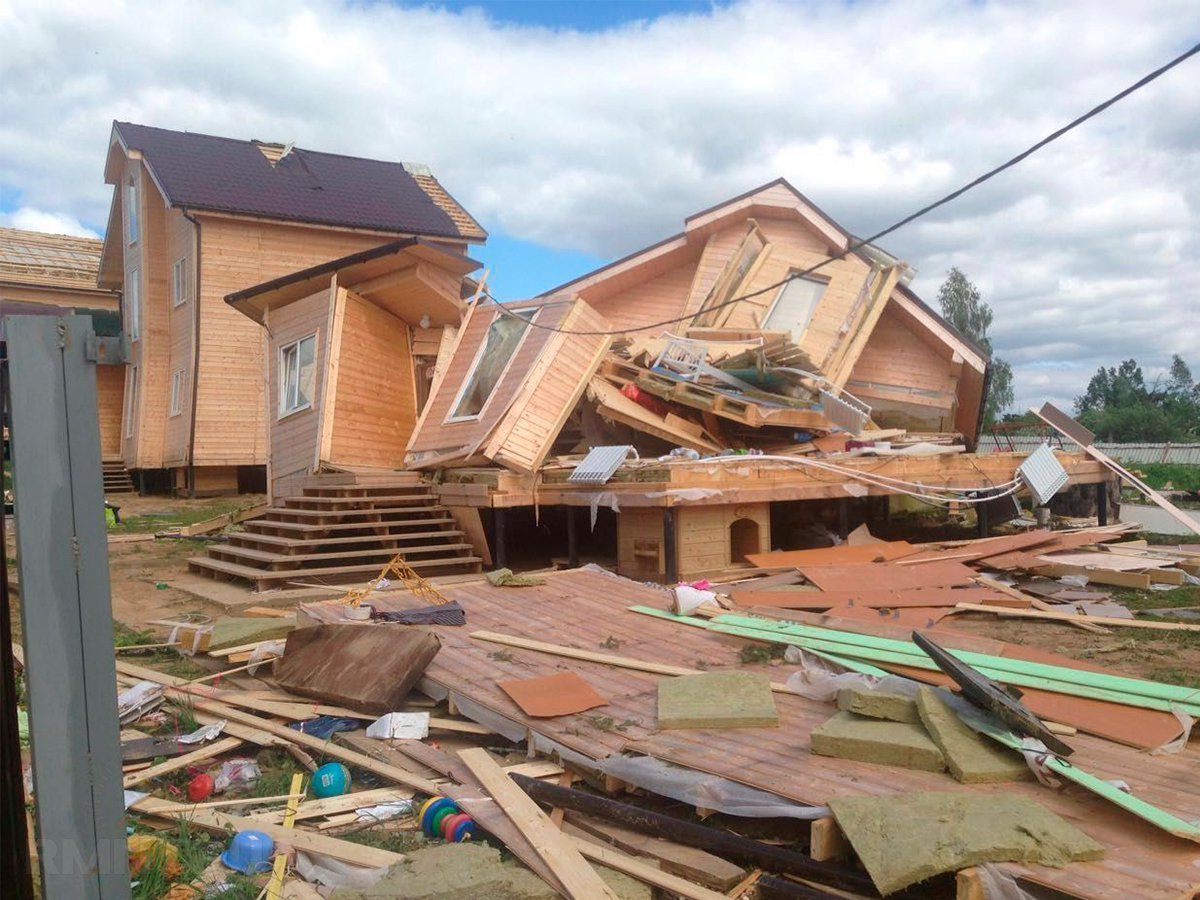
826 841
981 518
572 538
843 514
1101 503
500 539
670 551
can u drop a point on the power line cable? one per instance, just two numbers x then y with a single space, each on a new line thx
855 246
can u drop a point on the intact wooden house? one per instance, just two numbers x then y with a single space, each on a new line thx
196 217
55 274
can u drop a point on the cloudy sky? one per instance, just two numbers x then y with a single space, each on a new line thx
579 132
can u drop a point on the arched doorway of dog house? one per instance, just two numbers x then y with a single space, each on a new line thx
743 540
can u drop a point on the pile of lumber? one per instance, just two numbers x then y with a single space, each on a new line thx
1037 575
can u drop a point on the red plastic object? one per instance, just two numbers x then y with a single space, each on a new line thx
452 822
200 788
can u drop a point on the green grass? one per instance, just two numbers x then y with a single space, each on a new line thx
159 521
195 851
125 636
1169 475
1154 537
386 839
1187 595
1174 675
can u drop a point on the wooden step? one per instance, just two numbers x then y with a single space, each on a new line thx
287 543
274 511
262 579
266 526
340 502
363 490
277 560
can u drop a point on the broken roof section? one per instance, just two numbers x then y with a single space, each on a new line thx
52 260
289 183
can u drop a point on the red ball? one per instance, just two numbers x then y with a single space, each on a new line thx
200 788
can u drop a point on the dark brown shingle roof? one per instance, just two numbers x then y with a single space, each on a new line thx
228 175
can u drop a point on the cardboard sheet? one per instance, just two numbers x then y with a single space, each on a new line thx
553 695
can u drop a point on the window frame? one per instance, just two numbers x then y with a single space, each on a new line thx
132 219
133 306
796 333
462 388
179 282
176 407
131 400
283 411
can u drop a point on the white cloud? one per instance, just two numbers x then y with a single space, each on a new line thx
603 142
31 219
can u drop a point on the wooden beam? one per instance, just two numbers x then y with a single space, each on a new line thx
561 855
1068 617
206 751
1035 602
642 871
826 841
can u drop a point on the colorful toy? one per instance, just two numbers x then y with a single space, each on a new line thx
249 852
331 780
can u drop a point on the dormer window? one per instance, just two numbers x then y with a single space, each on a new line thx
131 211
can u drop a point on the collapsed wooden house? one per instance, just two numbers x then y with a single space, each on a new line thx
195 217
55 274
758 338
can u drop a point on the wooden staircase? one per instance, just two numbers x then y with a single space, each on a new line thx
342 529
116 477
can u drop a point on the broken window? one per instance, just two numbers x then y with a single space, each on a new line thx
503 337
131 400
794 305
131 211
297 375
177 393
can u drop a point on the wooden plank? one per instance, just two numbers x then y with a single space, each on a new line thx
1063 423
1096 576
206 751
221 823
930 575
561 855
279 867
640 870
872 599
177 687
826 841
1067 617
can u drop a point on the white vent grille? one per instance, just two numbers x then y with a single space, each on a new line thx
598 466
1043 474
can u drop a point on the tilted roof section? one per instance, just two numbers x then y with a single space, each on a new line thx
228 175
49 260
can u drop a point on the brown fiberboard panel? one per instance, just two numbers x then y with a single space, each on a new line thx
866 597
885 576
907 838
845 554
365 667
553 695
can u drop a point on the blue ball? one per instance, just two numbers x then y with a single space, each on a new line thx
331 780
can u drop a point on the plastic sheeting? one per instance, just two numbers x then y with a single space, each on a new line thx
705 791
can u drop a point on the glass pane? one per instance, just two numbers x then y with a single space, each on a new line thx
794 306
501 342
287 379
306 380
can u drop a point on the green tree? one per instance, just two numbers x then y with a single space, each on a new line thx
1118 405
964 308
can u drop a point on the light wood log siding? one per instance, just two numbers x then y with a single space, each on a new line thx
110 400
551 391
704 536
231 426
717 250
375 407
52 296
898 355
294 438
796 247
180 243
653 301
151 352
437 434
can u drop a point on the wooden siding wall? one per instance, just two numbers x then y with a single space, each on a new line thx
652 301
237 253
640 544
795 246
550 392
53 296
294 438
375 406
435 433
898 357
180 243
719 247
110 400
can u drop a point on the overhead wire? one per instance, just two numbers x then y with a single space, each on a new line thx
854 246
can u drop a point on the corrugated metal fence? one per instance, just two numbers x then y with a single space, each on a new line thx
1184 454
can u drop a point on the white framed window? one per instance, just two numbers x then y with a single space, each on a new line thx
794 305
131 390
499 347
131 212
179 282
177 393
297 375
133 307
